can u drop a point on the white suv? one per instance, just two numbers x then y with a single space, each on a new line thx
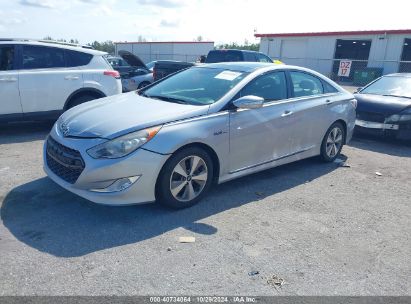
40 80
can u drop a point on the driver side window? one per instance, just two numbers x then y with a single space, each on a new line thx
271 87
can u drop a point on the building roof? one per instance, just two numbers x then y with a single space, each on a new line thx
342 33
159 42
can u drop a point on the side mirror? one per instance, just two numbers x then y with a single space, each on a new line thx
358 90
249 102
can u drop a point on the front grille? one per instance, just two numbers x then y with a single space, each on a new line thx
63 161
368 116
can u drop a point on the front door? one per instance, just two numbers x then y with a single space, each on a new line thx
258 136
9 81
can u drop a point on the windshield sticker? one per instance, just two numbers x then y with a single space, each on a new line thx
228 75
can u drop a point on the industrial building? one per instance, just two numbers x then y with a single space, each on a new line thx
168 50
369 53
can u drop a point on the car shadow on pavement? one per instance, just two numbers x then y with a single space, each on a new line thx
24 131
50 219
388 146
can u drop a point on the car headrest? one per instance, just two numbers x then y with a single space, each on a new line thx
307 85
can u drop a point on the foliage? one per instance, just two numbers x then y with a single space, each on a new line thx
245 46
106 46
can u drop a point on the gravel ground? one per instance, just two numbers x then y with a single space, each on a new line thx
322 228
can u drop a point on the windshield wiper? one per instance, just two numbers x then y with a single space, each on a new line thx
165 98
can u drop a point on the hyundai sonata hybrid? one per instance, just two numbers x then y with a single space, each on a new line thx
170 141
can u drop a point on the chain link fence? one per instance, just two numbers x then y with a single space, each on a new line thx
351 72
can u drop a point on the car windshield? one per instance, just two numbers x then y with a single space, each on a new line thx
196 86
390 85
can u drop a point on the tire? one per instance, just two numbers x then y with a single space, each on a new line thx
333 142
80 99
143 84
188 190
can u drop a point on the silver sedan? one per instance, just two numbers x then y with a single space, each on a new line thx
170 141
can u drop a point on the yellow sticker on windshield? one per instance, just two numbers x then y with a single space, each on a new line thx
228 75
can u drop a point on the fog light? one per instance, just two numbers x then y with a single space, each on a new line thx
119 185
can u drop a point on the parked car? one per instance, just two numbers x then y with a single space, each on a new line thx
384 107
134 73
40 80
228 55
212 123
163 68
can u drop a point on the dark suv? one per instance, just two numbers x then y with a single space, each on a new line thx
236 55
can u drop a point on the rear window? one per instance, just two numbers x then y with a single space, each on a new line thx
75 59
224 56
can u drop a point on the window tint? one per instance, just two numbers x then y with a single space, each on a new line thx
270 87
263 58
305 84
6 58
75 59
249 57
224 56
328 88
39 57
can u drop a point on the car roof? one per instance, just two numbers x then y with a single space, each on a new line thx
234 50
78 48
407 75
242 66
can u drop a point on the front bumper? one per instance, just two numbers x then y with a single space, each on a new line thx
100 173
398 131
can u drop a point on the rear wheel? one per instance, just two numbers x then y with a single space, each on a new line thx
333 142
185 178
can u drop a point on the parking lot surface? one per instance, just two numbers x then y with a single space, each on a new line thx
315 228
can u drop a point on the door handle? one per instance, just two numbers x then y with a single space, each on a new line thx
286 113
71 77
328 101
11 79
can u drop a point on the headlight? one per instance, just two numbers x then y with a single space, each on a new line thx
123 145
401 117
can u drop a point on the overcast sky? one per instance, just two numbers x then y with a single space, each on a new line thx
215 20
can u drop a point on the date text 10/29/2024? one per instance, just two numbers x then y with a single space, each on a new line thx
202 299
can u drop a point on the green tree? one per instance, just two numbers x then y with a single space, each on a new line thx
245 46
106 46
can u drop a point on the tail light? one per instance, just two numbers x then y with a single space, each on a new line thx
114 74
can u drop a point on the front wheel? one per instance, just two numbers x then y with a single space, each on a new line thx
185 178
333 142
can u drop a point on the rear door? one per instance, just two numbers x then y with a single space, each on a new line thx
9 81
262 135
45 82
313 103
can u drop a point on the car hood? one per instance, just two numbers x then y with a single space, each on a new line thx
380 104
132 59
114 116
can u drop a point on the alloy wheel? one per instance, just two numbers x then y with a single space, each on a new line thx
188 178
334 142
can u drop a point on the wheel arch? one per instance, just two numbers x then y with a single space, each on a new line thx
344 123
80 92
214 157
